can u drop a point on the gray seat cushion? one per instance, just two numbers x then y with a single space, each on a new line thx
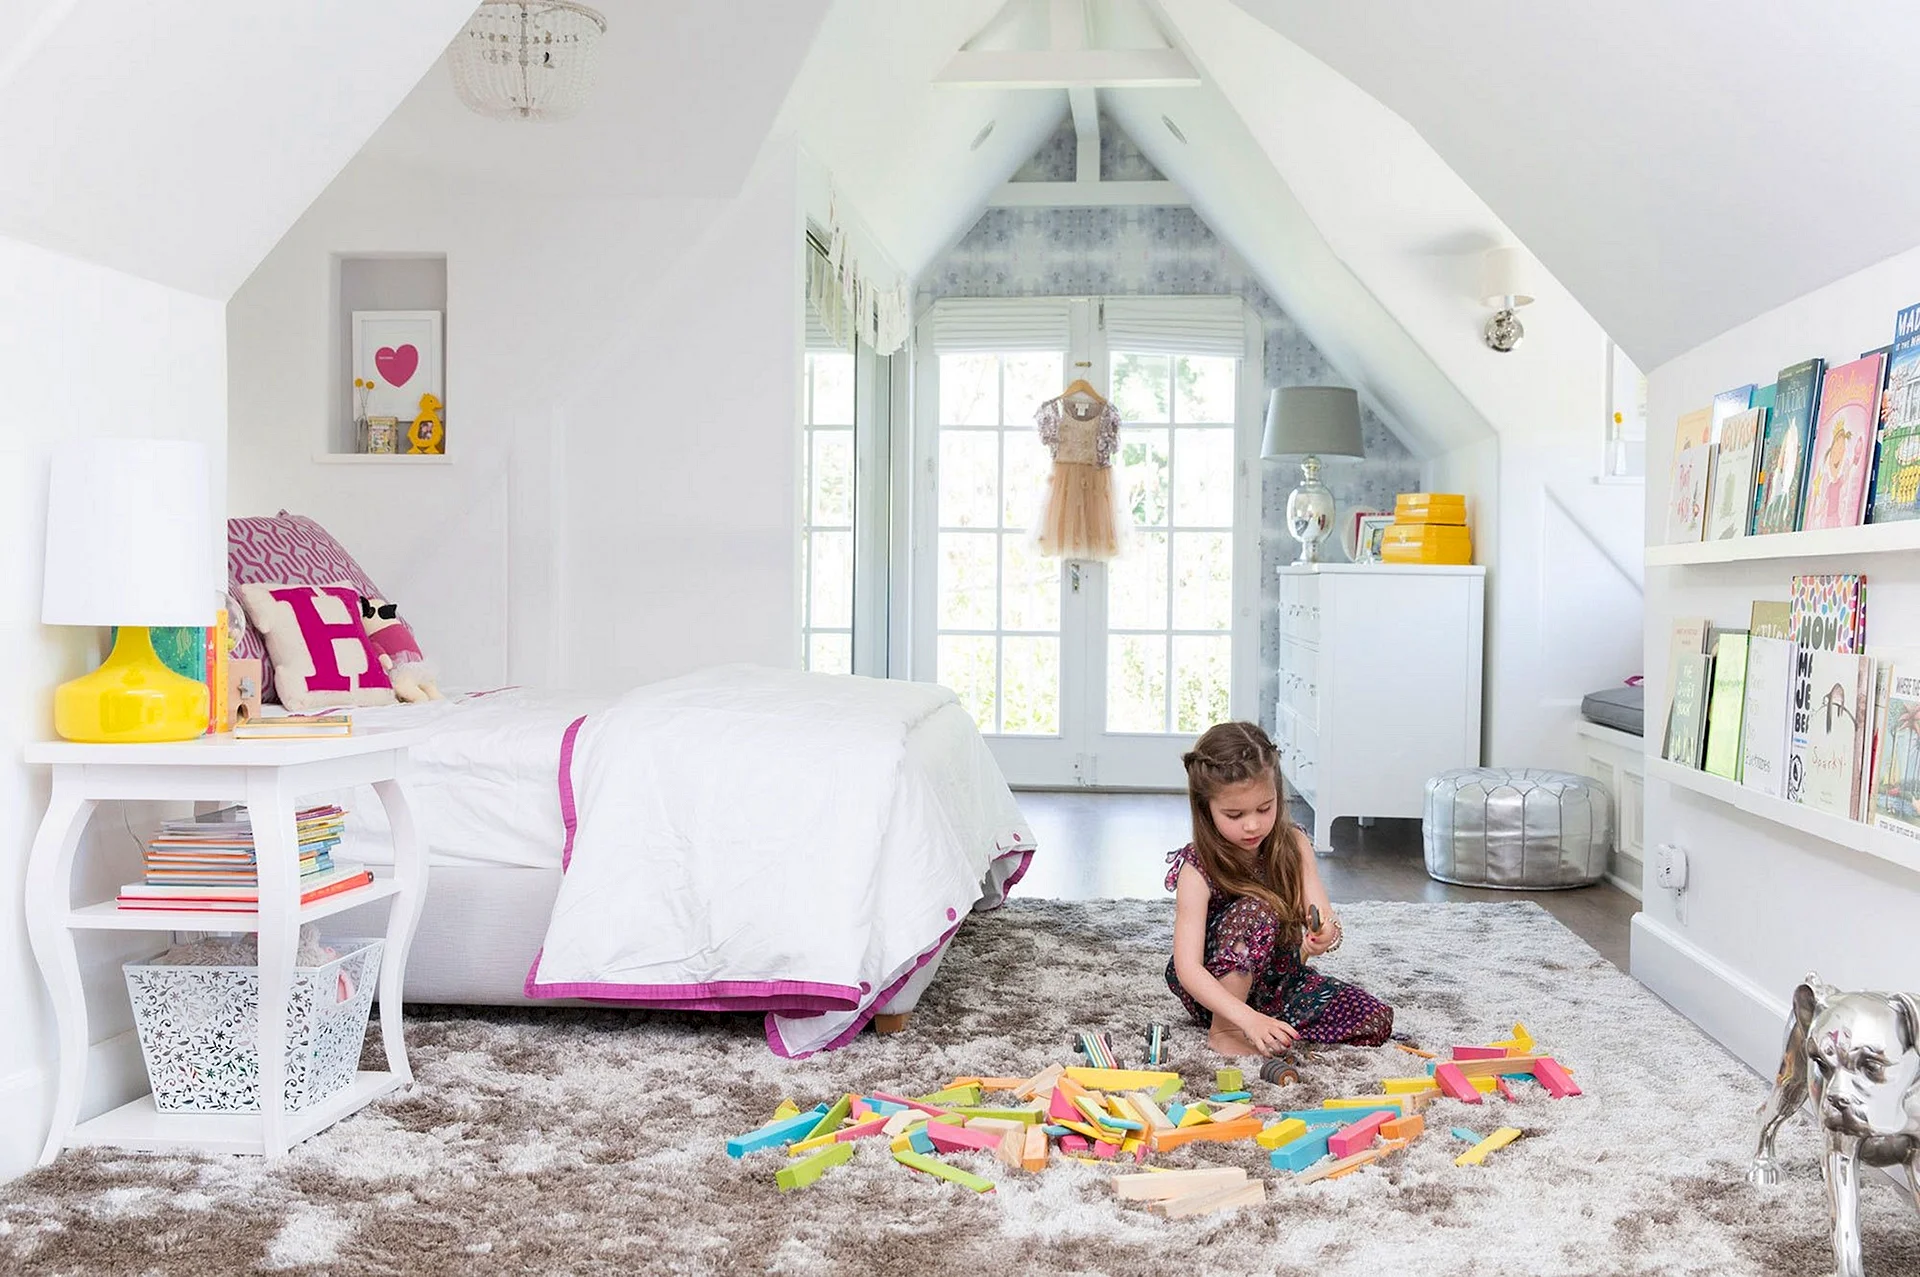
1622 708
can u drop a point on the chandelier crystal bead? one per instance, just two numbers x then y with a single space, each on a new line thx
527 59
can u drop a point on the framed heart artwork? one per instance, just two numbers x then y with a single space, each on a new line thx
398 351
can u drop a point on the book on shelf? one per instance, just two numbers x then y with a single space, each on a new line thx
1770 619
1725 405
1785 450
1896 786
1896 481
1687 499
236 899
1763 725
1830 721
1842 459
295 726
1693 430
1876 726
1829 612
1736 463
1726 702
1687 637
1687 714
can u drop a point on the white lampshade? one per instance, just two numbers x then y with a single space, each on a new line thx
1313 421
1506 278
130 535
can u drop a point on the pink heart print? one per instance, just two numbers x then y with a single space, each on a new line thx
397 365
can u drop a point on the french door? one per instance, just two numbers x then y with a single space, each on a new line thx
1083 673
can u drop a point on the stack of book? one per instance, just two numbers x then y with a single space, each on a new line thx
207 863
337 722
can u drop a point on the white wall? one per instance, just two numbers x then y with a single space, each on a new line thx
84 351
1765 904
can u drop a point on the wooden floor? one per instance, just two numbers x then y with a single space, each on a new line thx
1095 846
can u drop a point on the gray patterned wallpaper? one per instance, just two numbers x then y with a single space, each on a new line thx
1082 252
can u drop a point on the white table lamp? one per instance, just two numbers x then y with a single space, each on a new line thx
1311 422
130 544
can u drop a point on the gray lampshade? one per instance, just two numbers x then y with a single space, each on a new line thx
1316 421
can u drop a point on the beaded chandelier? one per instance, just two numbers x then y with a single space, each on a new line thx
527 59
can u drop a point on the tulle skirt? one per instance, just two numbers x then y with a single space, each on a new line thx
1079 519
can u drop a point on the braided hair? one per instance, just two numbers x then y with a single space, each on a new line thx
1231 754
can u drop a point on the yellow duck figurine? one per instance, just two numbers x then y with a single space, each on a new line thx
427 433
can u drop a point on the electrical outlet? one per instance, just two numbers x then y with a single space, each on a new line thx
1670 867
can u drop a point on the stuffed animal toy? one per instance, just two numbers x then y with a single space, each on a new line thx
400 656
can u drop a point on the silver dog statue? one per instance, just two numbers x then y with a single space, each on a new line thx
1859 1055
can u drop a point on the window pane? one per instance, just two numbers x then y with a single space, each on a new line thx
1136 683
966 669
1029 586
967 592
969 390
1031 380
1140 386
1030 686
1201 668
831 580
969 478
1137 584
1025 488
832 389
1203 478
1144 476
1202 581
1204 388
830 653
831 476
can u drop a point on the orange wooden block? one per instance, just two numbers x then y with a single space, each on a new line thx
1243 1129
1035 1156
1404 1128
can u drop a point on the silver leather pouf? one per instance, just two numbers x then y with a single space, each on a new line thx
1517 828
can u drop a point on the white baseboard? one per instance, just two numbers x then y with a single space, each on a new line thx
1741 1016
1630 886
115 1074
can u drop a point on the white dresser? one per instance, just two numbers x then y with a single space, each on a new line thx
1379 684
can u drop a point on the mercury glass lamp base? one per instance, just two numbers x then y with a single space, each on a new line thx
1310 512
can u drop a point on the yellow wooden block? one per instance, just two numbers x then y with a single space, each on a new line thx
787 1109
1283 1132
1194 1116
1484 1085
1120 1079
1478 1153
1130 1143
1407 1085
1091 1132
812 1143
902 1143
1361 1101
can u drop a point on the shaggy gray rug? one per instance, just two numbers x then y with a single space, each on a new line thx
584 1141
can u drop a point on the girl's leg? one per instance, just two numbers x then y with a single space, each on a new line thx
1240 948
1223 1037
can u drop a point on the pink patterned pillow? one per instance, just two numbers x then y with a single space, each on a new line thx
283 548
319 647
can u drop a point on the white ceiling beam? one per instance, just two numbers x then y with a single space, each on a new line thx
1088 195
1069 69
1086 127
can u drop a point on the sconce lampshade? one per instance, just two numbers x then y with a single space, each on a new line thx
1505 278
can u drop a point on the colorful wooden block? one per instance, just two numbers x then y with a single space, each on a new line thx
1349 1164
1230 1097
1414 1050
833 1117
912 1104
1251 1193
774 1134
1119 1079
1019 1116
786 1110
1349 1140
861 1130
935 1167
1100 1117
1507 1091
1033 1155
812 1144
1478 1153
1395 1102
1230 1112
1339 1117
1083 1129
1229 1080
1161 1185
1301 1153
1454 1084
1285 1131
1412 1126
1165 1092
1407 1085
1075 1143
803 1173
1243 1129
1000 1124
921 1142
1061 1107
1176 1113
1550 1075
1462 1133
954 1097
1495 1066
958 1139
861 1109
1103 1149
1055 1131
1012 1150
885 1108
903 1121
1194 1116
1479 1053
1149 1112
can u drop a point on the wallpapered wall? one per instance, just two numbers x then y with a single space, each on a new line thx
1082 252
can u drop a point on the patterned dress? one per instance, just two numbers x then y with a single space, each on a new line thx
1242 935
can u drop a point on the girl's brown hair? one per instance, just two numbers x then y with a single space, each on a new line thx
1229 754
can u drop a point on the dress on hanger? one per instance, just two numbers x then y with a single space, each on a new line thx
1079 520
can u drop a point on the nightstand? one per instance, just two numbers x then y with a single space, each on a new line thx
269 776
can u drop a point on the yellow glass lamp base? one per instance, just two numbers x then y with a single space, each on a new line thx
132 698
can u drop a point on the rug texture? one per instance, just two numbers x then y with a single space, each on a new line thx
567 1141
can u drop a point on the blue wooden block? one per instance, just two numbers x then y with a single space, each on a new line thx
1302 1153
1520 1077
885 1108
773 1134
1176 1112
1462 1133
1056 1131
1230 1097
921 1141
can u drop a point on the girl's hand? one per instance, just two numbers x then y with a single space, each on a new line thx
1324 940
1268 1035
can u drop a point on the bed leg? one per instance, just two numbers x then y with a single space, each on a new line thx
890 1023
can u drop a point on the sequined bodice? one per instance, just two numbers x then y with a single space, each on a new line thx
1078 433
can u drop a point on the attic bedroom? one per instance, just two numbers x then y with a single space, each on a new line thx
848 636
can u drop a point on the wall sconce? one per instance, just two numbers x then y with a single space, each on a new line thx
1504 286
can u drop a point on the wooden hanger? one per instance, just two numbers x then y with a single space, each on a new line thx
1080 386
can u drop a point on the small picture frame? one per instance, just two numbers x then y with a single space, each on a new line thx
1371 532
1351 540
380 435
398 353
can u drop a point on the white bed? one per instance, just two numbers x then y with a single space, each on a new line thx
487 789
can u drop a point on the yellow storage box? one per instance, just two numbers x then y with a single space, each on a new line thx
1430 543
1431 507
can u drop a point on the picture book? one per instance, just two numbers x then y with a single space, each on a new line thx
1687 717
1829 613
1896 784
1763 725
1763 396
1842 459
1687 501
1771 619
1784 453
1829 735
1688 637
1896 482
1693 429
1876 727
1726 702
1725 405
1736 461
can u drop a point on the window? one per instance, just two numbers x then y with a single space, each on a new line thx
827 493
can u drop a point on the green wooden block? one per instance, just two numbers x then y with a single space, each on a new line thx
1028 1116
1168 1089
834 1116
804 1172
953 1095
1229 1080
934 1166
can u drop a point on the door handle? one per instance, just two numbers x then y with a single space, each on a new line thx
1073 575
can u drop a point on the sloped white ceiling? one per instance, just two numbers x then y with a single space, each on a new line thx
177 142
1680 167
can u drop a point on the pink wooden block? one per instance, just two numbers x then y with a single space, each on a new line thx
1103 1149
1140 1155
1479 1053
872 1126
958 1139
1074 1143
1547 1071
1507 1092
912 1104
861 1109
1453 1082
1349 1140
1062 1109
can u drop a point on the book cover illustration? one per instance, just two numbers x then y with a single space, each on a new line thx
1687 719
1842 459
1771 619
1693 429
1725 405
1828 741
1735 464
1896 482
1688 637
1783 463
1829 612
1896 786
1725 705
1875 729
1687 501
1763 728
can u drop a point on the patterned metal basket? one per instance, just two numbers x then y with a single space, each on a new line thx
198 1026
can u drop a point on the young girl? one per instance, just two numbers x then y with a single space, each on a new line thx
1240 916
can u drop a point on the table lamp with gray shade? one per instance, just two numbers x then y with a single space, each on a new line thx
1311 422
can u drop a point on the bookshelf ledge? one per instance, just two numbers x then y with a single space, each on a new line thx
1871 538
1851 834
